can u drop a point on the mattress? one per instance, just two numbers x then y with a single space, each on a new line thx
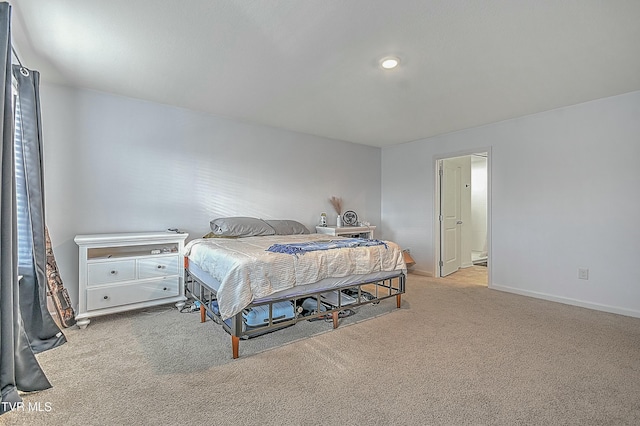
242 271
300 290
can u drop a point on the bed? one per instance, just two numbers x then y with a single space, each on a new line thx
247 263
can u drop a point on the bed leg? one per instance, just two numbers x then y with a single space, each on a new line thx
398 300
235 346
334 315
203 313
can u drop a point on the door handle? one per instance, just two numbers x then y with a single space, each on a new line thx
459 222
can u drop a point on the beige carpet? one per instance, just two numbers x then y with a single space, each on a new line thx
453 354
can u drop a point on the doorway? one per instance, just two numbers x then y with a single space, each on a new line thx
461 227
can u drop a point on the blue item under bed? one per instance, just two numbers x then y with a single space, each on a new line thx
258 316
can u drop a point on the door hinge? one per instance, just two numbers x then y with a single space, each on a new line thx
441 263
440 218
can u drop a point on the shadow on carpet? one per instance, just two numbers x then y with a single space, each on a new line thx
175 342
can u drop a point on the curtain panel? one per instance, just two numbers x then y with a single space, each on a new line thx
19 368
40 327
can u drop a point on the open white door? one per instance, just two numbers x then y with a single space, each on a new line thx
450 217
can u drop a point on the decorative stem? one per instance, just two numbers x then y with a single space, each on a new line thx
336 202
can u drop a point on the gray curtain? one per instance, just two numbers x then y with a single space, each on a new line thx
41 329
20 330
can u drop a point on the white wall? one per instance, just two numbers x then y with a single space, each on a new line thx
564 195
115 164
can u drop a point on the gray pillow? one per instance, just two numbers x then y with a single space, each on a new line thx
240 227
287 227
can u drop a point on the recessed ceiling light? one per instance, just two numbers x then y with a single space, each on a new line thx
389 63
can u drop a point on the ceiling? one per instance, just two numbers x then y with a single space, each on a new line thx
312 66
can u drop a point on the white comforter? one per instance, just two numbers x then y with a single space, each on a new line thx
246 271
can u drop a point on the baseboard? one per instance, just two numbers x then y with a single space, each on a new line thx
568 301
420 272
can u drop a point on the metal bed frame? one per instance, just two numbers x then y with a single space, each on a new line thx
379 289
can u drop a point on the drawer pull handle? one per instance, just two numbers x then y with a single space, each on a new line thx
165 289
161 266
113 272
105 297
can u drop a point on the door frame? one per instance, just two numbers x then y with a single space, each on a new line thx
436 207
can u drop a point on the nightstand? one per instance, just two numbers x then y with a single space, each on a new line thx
347 231
122 272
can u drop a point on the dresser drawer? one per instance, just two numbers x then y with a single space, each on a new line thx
111 272
116 295
157 267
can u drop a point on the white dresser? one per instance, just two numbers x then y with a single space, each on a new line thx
121 272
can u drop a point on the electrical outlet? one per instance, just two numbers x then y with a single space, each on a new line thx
583 273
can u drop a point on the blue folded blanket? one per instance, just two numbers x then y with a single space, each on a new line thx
302 248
